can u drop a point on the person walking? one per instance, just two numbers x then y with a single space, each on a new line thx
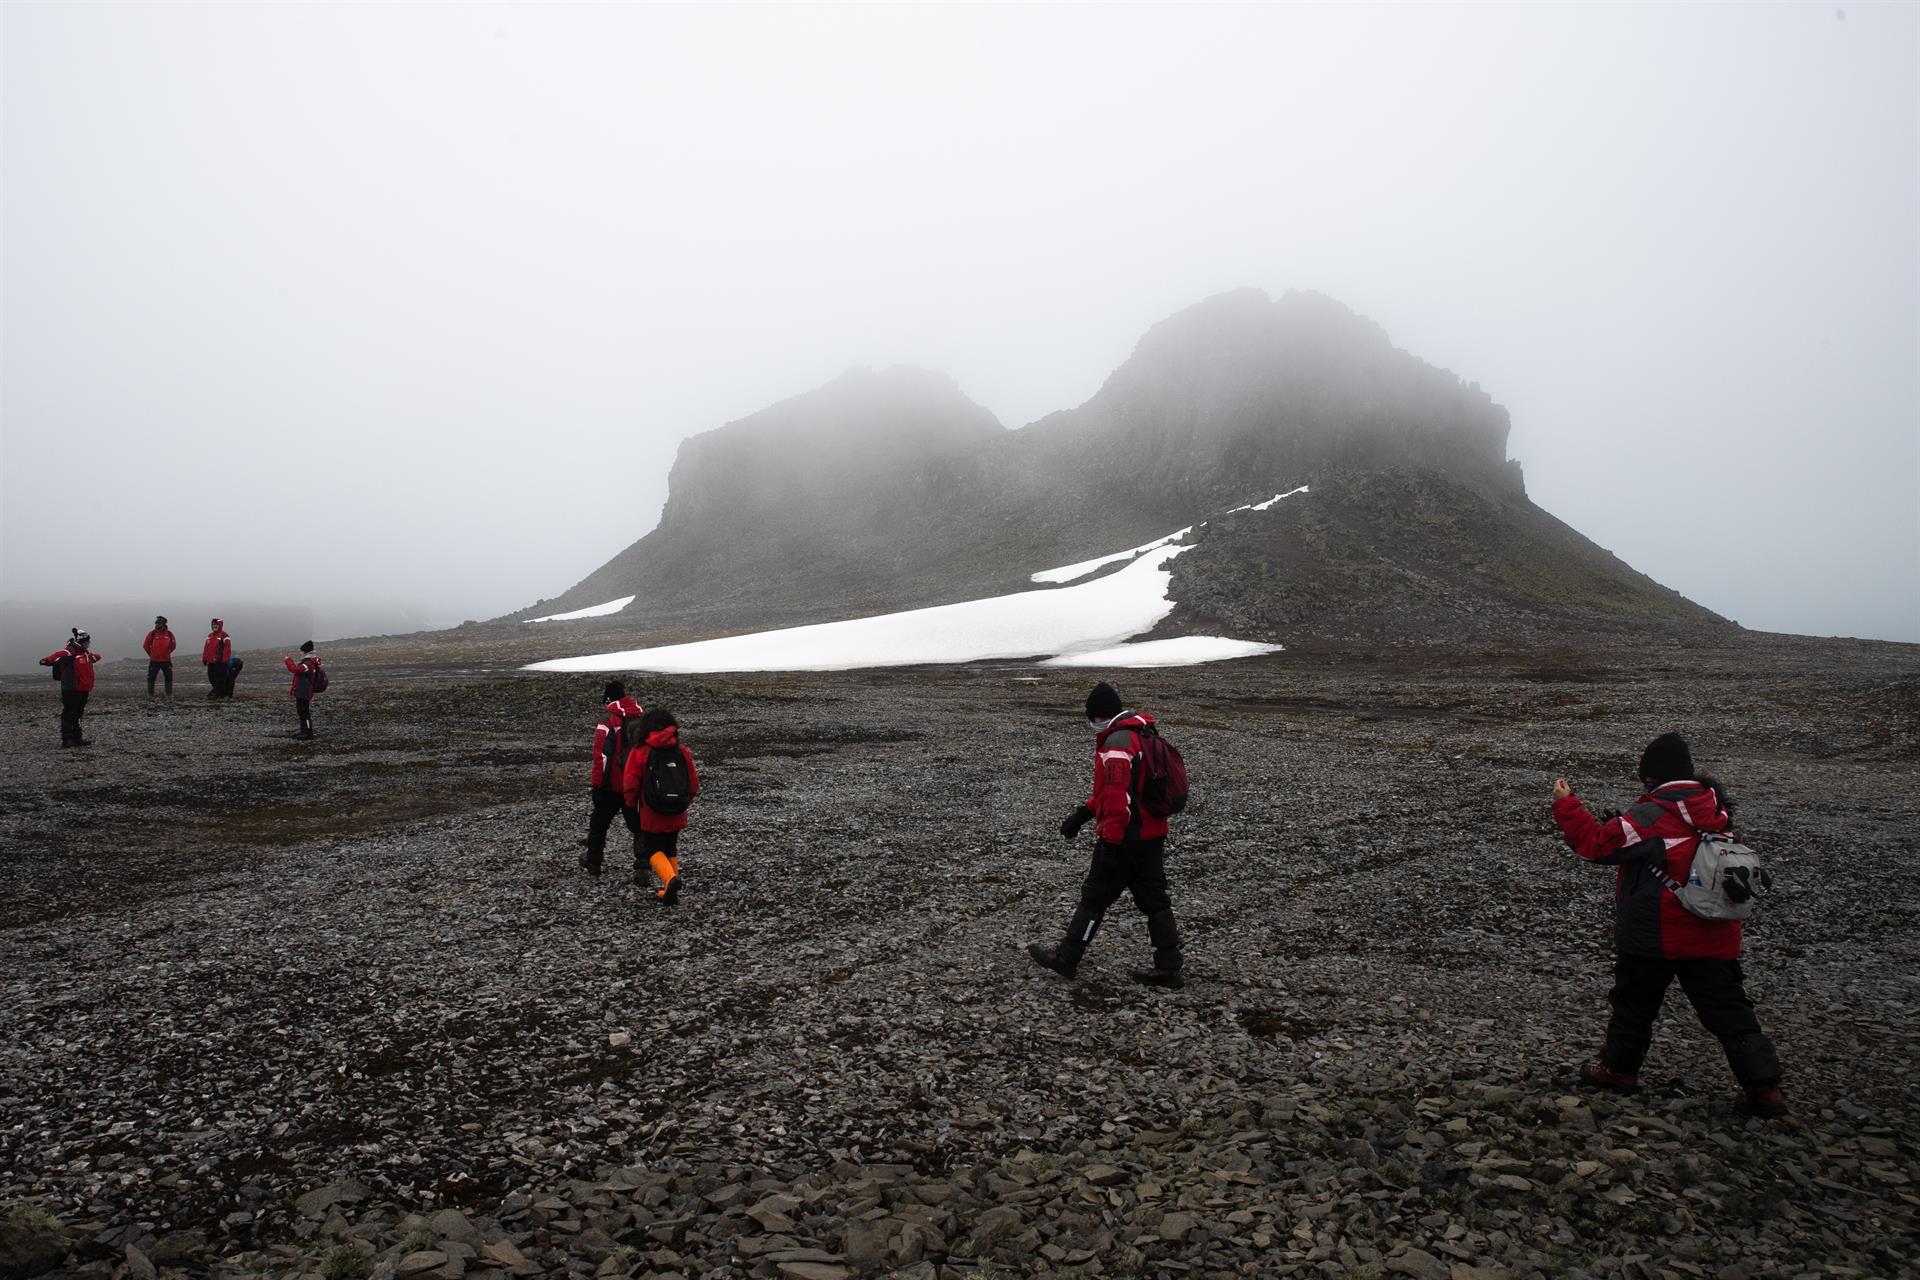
1655 939
73 667
159 645
308 680
603 785
1129 855
215 653
659 783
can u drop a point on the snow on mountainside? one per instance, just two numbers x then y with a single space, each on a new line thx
1078 625
591 611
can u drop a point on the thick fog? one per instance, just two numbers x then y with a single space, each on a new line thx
329 304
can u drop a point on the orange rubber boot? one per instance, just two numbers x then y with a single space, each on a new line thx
663 868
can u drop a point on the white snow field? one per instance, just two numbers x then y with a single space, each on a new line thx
1180 651
1069 572
1080 626
591 611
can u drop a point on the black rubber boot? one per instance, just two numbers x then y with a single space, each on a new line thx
1164 933
1050 958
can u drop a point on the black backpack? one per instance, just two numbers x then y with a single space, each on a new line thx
55 664
663 781
319 678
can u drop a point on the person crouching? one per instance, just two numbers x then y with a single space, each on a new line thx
659 785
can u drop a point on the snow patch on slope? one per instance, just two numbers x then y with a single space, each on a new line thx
1084 625
1180 651
591 611
1094 616
1069 572
1270 501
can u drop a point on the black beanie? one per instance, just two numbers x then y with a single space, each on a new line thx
1666 759
1104 702
306 646
614 691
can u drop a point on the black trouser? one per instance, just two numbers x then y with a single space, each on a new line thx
1719 996
607 802
158 669
1139 869
217 677
73 705
304 708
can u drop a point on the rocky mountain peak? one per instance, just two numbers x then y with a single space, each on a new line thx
892 490
825 444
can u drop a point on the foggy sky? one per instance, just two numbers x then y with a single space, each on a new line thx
306 303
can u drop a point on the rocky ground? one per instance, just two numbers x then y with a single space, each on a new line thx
350 1007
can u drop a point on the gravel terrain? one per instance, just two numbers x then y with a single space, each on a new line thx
350 1007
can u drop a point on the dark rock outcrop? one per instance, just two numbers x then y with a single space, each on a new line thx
1411 556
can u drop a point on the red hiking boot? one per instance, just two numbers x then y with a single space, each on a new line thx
1598 1075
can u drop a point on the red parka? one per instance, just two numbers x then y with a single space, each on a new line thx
667 739
160 645
1117 777
77 675
218 648
606 741
301 686
1662 829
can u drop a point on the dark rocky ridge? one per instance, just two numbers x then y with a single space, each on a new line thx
892 490
1414 557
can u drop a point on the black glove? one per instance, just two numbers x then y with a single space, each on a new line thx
1079 818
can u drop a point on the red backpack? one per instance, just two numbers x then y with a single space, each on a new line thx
1163 774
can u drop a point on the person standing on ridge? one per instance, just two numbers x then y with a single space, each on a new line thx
1130 853
659 783
603 786
73 667
308 680
1655 939
215 653
159 645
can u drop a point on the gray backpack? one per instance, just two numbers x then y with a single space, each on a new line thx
1726 879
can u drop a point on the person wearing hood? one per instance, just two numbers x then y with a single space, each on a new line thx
1129 855
215 653
73 668
610 751
659 783
1656 940
307 681
159 645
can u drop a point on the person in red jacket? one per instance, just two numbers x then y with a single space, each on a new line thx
604 785
660 828
1130 855
305 673
159 644
74 666
1655 939
216 652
